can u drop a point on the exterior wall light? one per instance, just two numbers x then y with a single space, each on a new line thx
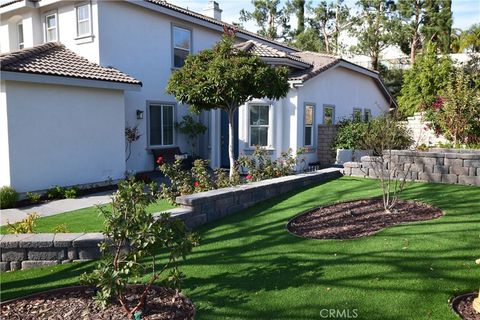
139 114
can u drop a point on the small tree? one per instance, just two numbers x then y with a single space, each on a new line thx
131 135
226 78
134 236
192 129
457 113
383 135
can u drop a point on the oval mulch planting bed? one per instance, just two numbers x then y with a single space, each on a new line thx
462 305
77 303
355 219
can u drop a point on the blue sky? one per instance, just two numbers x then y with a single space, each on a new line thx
465 12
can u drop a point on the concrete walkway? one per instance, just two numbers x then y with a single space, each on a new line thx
54 207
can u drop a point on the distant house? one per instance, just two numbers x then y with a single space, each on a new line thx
74 74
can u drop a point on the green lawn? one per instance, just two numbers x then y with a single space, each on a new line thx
249 267
83 220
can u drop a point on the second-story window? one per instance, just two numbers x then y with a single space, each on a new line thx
83 20
21 44
51 27
181 45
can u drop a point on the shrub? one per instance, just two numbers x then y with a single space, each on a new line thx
27 225
8 197
55 192
349 134
70 193
60 228
202 180
260 165
129 225
192 129
33 197
181 181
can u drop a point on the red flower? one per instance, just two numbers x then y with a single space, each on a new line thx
438 104
159 160
249 177
196 184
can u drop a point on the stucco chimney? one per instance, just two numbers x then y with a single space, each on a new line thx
213 10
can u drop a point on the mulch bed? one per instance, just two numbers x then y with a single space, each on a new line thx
77 303
355 219
462 305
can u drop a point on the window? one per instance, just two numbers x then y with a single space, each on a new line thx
83 20
161 124
357 115
367 116
181 46
21 45
328 115
51 28
308 121
259 123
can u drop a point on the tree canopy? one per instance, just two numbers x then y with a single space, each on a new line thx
225 78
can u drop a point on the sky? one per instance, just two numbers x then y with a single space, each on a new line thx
465 12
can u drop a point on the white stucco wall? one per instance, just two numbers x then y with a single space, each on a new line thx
147 56
34 29
63 135
4 152
343 88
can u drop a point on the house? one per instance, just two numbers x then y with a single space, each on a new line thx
75 73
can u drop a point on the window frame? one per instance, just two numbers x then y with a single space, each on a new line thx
314 107
21 44
190 31
268 126
46 29
331 106
361 114
161 104
77 21
365 115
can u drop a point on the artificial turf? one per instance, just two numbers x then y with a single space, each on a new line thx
83 220
249 267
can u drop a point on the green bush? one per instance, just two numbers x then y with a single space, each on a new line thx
8 197
349 134
55 192
70 193
27 225
33 197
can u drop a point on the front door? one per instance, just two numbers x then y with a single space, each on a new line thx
224 160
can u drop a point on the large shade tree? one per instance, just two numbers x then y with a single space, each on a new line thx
226 78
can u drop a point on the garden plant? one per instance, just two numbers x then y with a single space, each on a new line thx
133 237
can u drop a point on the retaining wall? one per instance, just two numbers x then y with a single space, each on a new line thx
26 251
438 166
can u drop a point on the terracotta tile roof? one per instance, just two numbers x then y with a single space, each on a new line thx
266 51
56 60
320 62
4 3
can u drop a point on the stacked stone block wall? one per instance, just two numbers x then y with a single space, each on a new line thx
26 251
325 136
438 166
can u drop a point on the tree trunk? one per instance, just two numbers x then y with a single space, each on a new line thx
326 40
413 48
231 137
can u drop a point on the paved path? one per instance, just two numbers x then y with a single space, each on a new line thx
54 207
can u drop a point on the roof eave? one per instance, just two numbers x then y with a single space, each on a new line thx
68 81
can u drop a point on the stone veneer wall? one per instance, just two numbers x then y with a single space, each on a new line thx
326 133
26 251
438 165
